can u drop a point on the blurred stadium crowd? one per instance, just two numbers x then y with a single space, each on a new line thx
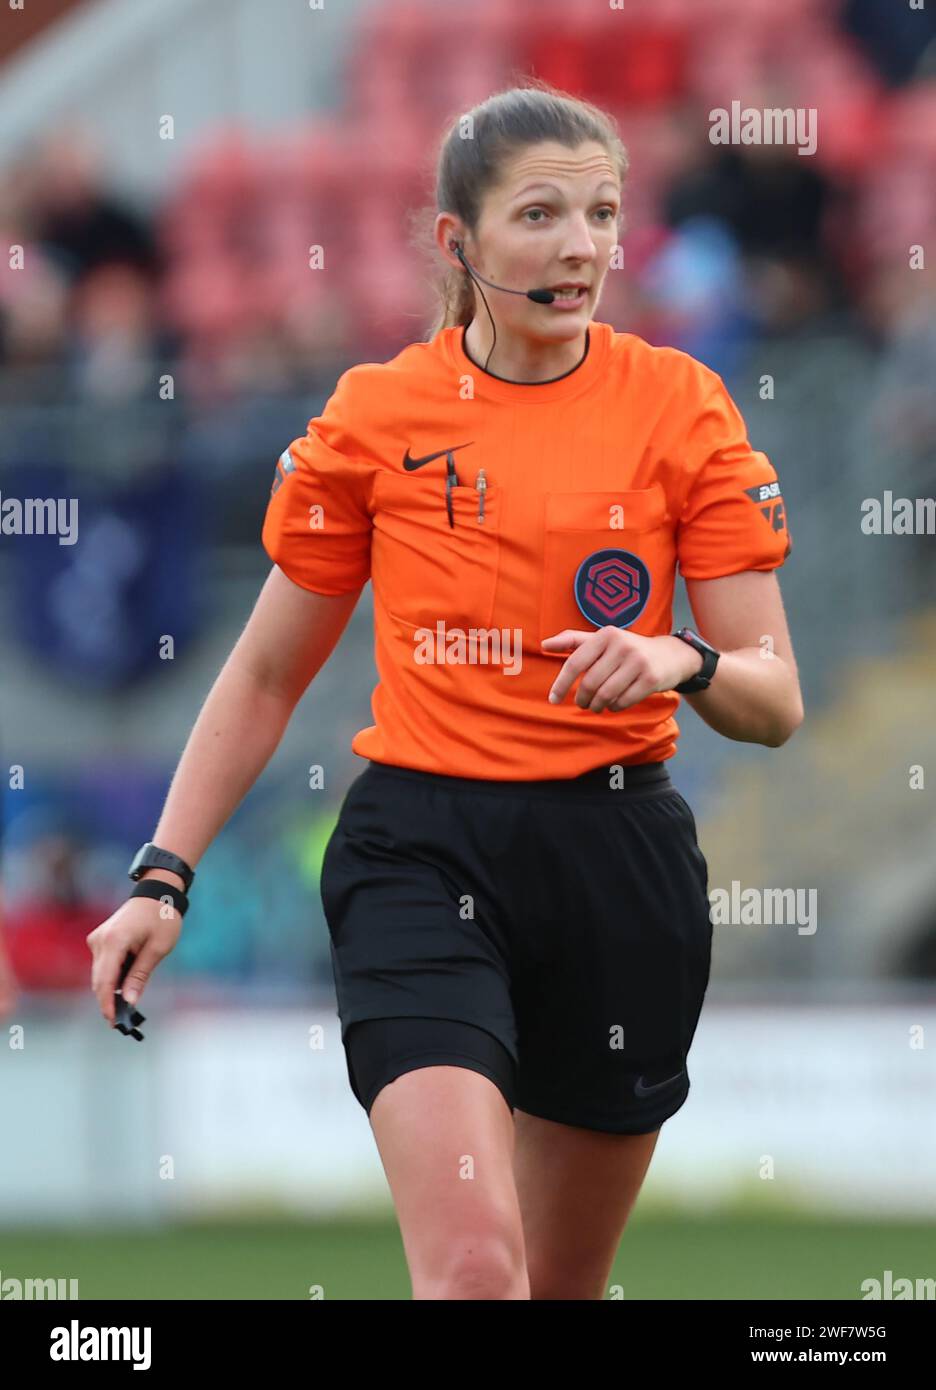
725 244
740 255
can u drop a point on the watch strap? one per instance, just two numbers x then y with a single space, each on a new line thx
150 856
703 677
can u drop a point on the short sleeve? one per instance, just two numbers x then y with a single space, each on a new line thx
318 520
733 517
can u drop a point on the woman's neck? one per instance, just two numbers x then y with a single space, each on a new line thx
522 359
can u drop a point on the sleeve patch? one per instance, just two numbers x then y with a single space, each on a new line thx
284 466
769 502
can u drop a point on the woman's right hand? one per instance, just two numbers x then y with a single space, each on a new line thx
149 929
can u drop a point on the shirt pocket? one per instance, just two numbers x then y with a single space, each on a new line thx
424 570
604 554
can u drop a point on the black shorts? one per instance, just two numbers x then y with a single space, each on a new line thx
553 935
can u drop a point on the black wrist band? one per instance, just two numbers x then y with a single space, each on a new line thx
156 888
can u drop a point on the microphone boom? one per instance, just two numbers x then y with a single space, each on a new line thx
542 296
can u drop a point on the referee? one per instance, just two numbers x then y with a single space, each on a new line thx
516 899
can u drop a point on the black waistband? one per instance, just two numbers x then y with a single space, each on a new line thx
609 779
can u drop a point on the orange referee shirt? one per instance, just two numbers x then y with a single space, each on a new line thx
599 483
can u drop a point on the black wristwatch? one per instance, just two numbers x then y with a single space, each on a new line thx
703 678
149 856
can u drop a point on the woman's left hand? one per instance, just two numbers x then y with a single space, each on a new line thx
619 668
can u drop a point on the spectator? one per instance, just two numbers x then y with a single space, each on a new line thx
79 225
8 990
48 927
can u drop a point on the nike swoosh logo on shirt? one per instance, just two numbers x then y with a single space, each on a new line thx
410 463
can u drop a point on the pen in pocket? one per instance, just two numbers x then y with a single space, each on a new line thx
481 485
451 480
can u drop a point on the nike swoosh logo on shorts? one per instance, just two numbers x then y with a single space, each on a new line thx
409 463
641 1090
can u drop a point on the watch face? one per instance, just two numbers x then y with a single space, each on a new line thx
700 641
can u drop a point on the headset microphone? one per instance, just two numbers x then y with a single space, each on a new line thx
537 296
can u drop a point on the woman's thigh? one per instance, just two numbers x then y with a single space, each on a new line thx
576 1188
446 1136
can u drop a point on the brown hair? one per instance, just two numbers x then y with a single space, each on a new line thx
471 158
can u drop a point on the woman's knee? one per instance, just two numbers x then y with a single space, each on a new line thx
485 1263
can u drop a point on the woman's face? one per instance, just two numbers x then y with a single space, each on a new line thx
552 218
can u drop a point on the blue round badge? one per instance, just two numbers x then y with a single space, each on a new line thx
612 587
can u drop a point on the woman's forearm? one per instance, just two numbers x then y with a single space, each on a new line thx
236 733
752 699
